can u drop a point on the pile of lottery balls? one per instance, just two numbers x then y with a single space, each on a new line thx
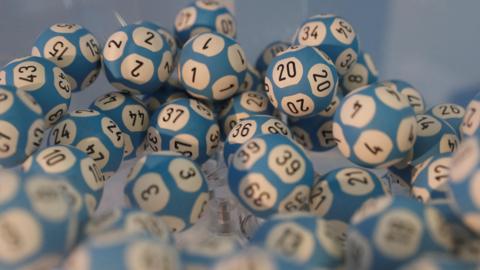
198 127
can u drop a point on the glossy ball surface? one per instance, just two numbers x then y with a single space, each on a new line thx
169 91
301 81
267 55
160 182
413 95
363 72
212 66
333 35
429 181
93 133
137 59
315 132
44 81
375 127
21 126
339 193
307 240
204 16
271 174
131 116
464 183
249 128
38 223
186 126
165 33
451 113
241 106
73 49
471 120
85 179
391 231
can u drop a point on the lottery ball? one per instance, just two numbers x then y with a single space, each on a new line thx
342 191
374 127
250 127
315 133
471 120
37 222
205 254
464 182
307 240
254 257
434 135
414 97
130 221
73 49
169 91
268 53
21 126
160 182
212 66
137 59
451 113
93 133
271 174
166 34
301 81
429 181
85 179
439 262
44 81
123 251
391 231
363 72
333 35
253 80
241 106
186 126
204 16
131 116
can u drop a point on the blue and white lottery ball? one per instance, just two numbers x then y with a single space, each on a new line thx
166 34
315 132
130 114
204 254
241 106
301 81
38 225
21 126
267 55
271 174
307 240
333 35
429 182
186 126
434 136
253 80
204 16
464 182
451 113
73 49
212 66
44 81
85 179
390 231
137 59
250 127
363 72
169 91
412 94
375 127
342 191
160 182
123 251
471 120
253 257
93 133
131 221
